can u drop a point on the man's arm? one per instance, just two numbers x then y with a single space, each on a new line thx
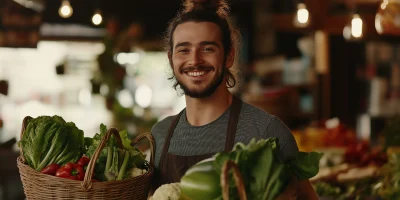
306 191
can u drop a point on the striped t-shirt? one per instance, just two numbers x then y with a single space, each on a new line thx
189 140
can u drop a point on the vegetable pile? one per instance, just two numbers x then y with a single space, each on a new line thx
58 148
47 140
265 176
113 162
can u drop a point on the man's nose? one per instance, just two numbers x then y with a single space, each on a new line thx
195 58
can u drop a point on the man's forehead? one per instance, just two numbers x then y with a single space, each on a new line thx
196 33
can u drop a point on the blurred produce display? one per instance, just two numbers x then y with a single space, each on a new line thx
325 133
353 168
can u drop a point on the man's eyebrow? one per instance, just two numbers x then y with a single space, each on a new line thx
182 44
209 43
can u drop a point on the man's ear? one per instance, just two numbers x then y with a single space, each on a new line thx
230 59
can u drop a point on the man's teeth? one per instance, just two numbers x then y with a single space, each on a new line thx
196 73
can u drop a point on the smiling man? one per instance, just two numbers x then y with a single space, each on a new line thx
201 45
198 57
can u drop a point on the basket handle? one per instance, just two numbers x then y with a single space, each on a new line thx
152 144
237 177
87 181
24 125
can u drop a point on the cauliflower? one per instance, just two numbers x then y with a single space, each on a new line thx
167 192
133 172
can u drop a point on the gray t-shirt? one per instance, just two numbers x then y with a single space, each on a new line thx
189 140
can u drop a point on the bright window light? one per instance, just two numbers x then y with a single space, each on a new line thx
143 96
85 97
125 98
127 58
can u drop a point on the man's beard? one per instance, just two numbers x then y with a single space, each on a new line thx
206 92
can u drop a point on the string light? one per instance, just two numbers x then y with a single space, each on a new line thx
354 29
302 16
356 26
97 18
65 9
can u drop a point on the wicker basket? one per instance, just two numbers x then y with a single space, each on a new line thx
290 192
42 186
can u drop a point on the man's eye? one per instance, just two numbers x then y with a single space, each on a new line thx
183 50
209 49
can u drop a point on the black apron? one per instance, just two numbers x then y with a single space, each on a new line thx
173 167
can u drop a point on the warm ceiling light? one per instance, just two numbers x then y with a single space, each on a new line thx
65 9
354 29
356 26
97 18
302 16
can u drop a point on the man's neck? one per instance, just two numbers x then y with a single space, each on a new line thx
201 111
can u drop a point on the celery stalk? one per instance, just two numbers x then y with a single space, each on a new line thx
123 167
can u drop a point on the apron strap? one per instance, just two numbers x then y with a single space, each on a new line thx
232 125
169 136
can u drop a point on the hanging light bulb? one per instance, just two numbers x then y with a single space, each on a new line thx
302 17
65 9
356 26
97 18
387 18
354 29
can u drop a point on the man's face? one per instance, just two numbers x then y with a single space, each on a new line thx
197 58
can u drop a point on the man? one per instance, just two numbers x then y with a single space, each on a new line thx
201 51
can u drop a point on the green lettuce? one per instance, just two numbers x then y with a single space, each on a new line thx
49 139
264 174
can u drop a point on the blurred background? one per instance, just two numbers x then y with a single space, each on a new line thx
330 69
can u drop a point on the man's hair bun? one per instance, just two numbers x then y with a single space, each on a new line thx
219 6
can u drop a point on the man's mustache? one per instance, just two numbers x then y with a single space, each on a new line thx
196 68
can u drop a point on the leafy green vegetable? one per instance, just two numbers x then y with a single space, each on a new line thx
264 174
111 172
114 163
201 182
306 165
124 165
268 174
57 143
389 185
92 144
137 158
49 139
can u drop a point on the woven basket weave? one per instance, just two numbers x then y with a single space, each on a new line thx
42 186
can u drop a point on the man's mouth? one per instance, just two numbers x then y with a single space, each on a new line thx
195 74
196 71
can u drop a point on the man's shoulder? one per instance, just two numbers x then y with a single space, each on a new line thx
255 114
162 126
